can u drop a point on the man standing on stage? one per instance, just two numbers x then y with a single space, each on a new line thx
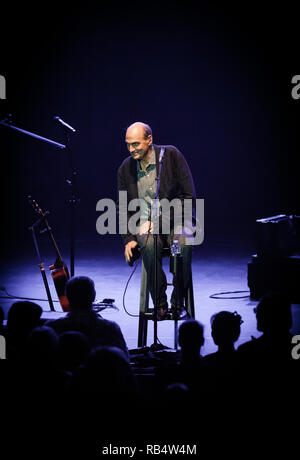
137 176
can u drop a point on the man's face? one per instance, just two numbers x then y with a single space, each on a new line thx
137 145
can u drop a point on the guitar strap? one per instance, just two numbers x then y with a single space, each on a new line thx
161 155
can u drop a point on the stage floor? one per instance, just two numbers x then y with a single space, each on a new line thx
217 267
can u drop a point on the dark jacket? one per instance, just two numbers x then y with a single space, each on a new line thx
175 181
99 331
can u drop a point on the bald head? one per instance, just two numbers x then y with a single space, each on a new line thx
139 128
139 140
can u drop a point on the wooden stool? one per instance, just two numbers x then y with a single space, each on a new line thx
146 313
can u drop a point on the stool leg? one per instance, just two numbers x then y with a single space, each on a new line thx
189 300
175 334
143 326
144 304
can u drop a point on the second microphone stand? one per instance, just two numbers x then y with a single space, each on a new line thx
72 201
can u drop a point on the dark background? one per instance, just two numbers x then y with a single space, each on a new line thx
214 81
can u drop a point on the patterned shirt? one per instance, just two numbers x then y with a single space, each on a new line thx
146 185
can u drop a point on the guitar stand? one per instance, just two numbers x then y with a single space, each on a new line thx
41 264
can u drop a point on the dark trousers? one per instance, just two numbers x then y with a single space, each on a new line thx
146 241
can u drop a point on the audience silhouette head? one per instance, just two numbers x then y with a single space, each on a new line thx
191 336
225 328
177 392
23 316
273 313
81 293
107 371
42 346
74 348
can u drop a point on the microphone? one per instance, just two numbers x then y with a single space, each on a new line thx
162 151
64 124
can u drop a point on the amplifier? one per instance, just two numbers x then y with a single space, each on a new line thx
281 274
277 235
276 266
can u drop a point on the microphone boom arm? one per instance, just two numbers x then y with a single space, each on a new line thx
28 133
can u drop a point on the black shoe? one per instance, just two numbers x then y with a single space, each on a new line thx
162 312
179 312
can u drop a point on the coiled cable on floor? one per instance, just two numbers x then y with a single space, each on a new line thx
217 295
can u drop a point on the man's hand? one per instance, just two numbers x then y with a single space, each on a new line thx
128 249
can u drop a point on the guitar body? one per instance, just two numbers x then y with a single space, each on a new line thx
60 276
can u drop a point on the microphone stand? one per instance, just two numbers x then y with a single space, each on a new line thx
72 201
7 122
155 346
72 183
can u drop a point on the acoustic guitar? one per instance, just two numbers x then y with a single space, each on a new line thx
59 270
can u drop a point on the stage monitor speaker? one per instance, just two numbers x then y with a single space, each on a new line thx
281 274
276 266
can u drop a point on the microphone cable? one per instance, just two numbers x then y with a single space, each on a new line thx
219 295
131 275
97 305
